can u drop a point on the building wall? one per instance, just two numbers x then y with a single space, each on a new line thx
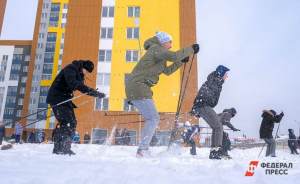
83 40
2 12
80 38
15 58
48 57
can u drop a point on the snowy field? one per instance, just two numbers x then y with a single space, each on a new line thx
94 164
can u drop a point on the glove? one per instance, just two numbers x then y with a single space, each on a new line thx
281 114
236 130
95 93
196 48
185 60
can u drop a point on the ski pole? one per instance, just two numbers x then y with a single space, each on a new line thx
181 96
60 103
83 103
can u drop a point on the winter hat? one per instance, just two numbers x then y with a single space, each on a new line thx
88 65
163 37
221 70
273 112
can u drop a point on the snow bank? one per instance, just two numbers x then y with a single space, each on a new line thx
34 164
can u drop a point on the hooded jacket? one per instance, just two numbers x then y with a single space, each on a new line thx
267 124
209 93
69 79
226 116
147 71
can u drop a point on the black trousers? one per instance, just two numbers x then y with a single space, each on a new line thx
293 148
67 125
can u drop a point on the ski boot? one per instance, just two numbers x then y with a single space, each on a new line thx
143 153
215 153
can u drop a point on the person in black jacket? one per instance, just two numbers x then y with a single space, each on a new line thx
207 98
292 142
69 79
266 130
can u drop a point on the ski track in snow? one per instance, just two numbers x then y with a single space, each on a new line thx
93 164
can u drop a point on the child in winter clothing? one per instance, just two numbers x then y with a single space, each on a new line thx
188 136
207 98
225 118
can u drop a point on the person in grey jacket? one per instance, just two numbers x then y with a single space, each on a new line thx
206 99
146 74
225 118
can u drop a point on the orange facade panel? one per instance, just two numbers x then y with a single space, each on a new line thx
16 42
188 37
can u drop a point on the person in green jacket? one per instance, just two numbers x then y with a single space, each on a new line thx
146 75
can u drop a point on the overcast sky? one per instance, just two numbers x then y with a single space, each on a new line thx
258 40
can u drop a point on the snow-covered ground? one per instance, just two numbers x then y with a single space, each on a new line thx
94 164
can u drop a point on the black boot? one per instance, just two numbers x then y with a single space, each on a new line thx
215 153
193 150
66 145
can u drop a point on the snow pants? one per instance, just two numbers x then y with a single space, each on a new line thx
66 118
212 119
271 147
148 110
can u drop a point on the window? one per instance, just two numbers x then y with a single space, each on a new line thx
24 79
99 136
48 57
46 77
105 56
22 90
103 79
11 90
18 57
133 11
19 112
41 35
25 69
16 67
64 15
108 11
51 37
102 104
47 68
106 32
20 101
66 6
14 77
44 90
9 111
50 47
132 55
42 99
10 99
133 33
55 7
4 57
